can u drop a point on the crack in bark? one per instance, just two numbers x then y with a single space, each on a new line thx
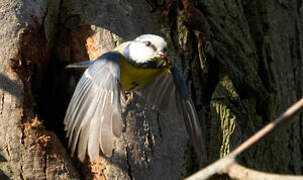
299 56
21 173
45 164
129 170
8 151
43 20
2 104
159 126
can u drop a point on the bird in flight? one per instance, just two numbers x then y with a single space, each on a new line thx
93 117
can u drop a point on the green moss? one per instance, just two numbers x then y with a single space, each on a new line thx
227 125
225 115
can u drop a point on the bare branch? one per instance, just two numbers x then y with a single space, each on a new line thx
214 168
285 117
228 165
236 171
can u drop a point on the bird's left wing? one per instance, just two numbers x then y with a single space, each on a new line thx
168 94
94 113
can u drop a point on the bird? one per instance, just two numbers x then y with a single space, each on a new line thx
93 117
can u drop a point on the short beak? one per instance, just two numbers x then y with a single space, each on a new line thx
166 60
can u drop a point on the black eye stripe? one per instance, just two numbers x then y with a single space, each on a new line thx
149 44
154 47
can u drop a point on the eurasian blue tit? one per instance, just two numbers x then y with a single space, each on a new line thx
93 116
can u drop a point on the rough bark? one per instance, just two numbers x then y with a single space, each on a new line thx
242 61
27 150
259 47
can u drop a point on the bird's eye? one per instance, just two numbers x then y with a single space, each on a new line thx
147 43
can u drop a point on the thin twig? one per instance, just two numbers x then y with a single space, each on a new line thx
225 164
236 171
285 117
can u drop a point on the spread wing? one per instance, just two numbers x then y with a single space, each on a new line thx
168 94
94 112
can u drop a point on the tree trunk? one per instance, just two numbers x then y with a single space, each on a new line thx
241 60
27 150
259 47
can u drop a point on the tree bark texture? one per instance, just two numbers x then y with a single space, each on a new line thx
27 149
242 61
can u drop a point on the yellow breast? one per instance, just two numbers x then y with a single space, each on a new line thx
132 77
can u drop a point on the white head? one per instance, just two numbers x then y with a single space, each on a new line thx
146 47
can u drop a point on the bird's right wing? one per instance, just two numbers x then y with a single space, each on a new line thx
168 94
94 113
